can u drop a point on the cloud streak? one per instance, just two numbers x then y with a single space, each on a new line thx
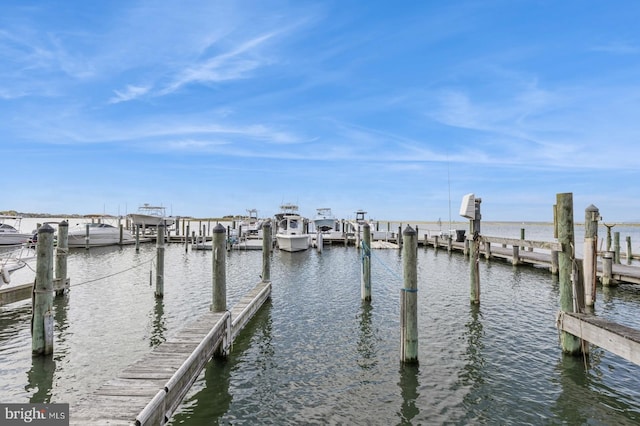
130 93
234 64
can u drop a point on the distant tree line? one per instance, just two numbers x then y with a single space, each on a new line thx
23 214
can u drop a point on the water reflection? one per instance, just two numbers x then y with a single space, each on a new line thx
585 397
573 380
159 326
472 373
409 384
366 348
40 379
61 309
40 376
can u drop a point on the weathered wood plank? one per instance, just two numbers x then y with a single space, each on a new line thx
616 338
128 390
242 315
149 375
545 245
21 292
152 387
15 294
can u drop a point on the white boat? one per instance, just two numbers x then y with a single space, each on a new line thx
9 235
100 234
250 225
290 234
360 217
12 259
324 219
149 216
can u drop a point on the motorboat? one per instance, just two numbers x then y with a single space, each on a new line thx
98 234
324 219
9 235
250 225
291 236
12 259
360 217
149 216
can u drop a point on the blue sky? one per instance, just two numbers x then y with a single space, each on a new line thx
214 107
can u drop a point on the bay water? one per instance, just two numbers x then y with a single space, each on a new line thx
317 354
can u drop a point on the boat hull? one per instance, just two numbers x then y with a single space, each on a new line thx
325 224
150 221
293 243
10 238
9 235
99 237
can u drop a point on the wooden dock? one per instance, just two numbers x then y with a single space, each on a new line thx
616 338
17 293
150 390
504 248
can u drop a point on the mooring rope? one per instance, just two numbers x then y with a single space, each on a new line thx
116 273
373 255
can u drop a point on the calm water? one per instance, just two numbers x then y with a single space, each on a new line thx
317 354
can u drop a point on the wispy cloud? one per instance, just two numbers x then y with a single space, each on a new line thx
130 93
232 65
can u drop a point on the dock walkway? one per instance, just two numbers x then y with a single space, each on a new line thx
150 390
621 273
619 339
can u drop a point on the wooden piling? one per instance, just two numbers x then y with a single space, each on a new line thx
319 241
609 235
564 214
607 269
121 229
137 238
487 250
590 262
554 262
219 270
266 251
474 273
41 326
515 260
365 275
186 239
409 298
86 236
629 253
616 247
160 261
62 250
474 253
